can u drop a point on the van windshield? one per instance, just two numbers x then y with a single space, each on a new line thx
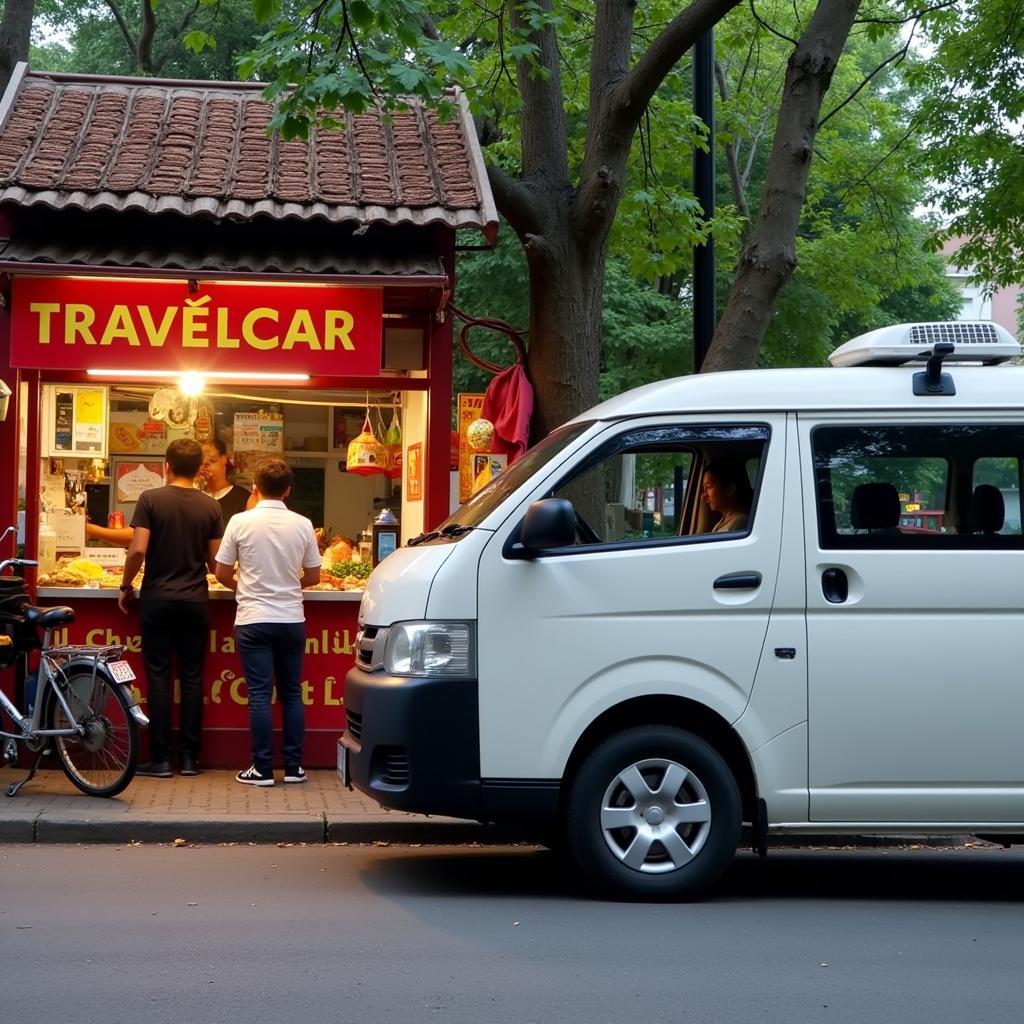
480 505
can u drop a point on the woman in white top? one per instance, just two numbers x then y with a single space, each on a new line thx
726 489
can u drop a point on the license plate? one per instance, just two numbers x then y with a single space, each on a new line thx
343 764
121 671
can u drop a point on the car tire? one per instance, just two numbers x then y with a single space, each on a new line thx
653 813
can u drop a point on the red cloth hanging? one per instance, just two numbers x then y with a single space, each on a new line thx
508 404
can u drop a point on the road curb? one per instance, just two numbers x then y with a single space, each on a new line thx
166 830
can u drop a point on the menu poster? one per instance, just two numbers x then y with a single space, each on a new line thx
64 420
414 473
135 477
271 437
90 410
258 432
470 407
76 420
246 434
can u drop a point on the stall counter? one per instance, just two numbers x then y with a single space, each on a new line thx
330 650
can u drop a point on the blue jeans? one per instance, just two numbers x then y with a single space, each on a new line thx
272 652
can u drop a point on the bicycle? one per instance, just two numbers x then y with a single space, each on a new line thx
84 705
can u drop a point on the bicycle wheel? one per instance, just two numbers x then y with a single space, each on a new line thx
102 761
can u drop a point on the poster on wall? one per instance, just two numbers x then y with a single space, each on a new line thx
75 420
470 407
256 436
258 432
135 477
414 473
486 467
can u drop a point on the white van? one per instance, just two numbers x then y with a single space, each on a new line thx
579 649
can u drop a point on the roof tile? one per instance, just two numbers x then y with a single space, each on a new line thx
86 142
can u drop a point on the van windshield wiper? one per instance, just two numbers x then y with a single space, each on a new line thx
456 530
451 530
422 538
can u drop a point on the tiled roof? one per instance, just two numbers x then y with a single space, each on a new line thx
202 149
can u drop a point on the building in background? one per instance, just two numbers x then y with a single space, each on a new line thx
1001 307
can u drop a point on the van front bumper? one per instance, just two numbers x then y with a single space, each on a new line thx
414 744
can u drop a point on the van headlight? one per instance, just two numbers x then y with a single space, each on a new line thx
429 649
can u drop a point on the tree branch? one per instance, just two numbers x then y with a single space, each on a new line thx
514 201
176 37
769 257
148 30
634 92
123 26
739 194
544 142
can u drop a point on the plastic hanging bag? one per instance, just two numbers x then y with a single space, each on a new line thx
366 455
393 443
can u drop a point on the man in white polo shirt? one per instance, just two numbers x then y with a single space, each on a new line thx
277 556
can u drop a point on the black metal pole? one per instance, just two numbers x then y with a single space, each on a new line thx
705 315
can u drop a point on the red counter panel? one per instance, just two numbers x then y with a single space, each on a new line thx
330 651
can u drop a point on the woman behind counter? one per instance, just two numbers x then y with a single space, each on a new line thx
214 477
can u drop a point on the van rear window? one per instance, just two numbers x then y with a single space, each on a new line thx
922 486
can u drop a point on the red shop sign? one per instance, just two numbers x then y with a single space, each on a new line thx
102 324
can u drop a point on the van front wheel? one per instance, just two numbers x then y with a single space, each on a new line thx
654 813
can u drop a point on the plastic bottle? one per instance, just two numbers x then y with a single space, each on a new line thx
47 546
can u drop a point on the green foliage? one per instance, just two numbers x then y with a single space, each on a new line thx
862 253
970 114
208 46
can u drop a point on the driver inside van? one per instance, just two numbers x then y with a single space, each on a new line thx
726 490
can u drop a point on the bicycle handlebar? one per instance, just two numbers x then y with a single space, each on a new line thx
19 563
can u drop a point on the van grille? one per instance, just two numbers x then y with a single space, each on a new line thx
355 724
370 642
958 333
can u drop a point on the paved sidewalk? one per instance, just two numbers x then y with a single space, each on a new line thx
213 808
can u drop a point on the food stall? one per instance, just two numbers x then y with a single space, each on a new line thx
197 279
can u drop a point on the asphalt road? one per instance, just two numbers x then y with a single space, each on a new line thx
153 934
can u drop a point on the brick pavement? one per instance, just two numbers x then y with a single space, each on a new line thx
212 807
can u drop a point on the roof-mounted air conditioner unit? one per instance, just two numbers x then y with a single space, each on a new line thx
973 341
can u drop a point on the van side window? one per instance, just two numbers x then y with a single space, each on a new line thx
947 486
649 486
996 489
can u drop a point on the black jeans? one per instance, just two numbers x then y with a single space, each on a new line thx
174 630
272 652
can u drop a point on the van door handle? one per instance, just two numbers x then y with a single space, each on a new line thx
835 586
738 581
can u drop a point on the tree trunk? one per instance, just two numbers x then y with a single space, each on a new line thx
15 32
769 258
566 289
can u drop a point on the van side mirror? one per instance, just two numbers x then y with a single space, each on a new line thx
549 523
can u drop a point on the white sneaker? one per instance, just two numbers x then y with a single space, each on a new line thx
298 775
252 776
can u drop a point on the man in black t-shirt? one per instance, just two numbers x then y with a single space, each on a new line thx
177 533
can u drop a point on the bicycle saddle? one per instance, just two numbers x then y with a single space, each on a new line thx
46 617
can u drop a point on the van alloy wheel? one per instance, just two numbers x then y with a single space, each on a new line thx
654 812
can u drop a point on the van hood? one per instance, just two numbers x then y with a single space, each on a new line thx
398 588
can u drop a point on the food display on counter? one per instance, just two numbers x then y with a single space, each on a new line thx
343 576
80 572
341 569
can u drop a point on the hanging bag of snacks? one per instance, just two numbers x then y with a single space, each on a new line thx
366 455
393 441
